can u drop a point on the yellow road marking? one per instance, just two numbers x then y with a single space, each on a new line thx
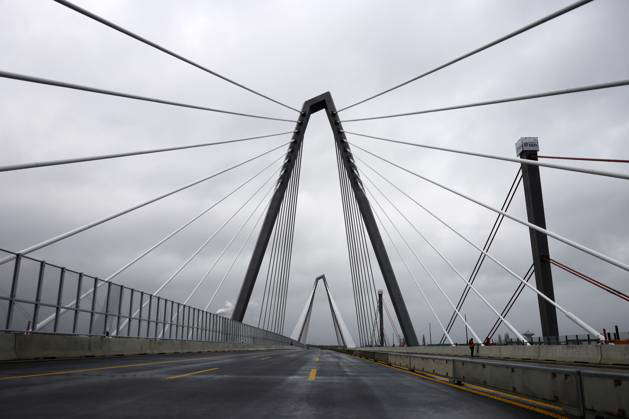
173 377
483 392
76 371
313 374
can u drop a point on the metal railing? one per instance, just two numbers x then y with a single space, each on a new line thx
40 297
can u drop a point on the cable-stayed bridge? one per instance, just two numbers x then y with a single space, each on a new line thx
53 311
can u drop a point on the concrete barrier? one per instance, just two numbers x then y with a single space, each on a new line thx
37 346
582 354
579 391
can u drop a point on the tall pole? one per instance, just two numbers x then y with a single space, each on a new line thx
466 337
527 148
380 318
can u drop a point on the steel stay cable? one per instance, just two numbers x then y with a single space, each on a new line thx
535 227
124 267
391 322
266 283
410 273
280 257
73 86
37 164
364 273
341 179
150 249
280 267
589 279
372 332
271 267
198 250
419 260
368 287
236 258
491 238
477 50
82 228
342 176
362 302
240 229
370 290
507 308
458 274
127 32
293 216
366 258
503 158
512 301
270 279
216 260
539 156
608 85
568 314
283 252
273 261
488 243
262 317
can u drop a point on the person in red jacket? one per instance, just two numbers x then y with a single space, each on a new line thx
471 345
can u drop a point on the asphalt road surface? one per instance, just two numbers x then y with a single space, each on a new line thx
271 384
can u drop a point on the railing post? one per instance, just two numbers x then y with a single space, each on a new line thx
107 297
77 302
119 309
186 332
59 299
206 335
140 307
179 314
197 316
193 321
15 278
381 323
157 316
93 306
527 148
40 279
170 323
148 317
131 295
163 332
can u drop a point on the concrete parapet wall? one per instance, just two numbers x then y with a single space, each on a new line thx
580 391
586 354
16 346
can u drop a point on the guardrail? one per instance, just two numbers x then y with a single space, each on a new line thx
579 391
63 301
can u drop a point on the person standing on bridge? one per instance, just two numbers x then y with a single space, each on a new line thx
471 345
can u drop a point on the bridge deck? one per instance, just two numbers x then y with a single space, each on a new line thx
289 383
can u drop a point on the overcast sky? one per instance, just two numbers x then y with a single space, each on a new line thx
293 51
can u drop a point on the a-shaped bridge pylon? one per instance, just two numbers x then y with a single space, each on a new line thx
300 332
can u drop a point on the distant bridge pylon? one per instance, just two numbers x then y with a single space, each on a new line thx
300 332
